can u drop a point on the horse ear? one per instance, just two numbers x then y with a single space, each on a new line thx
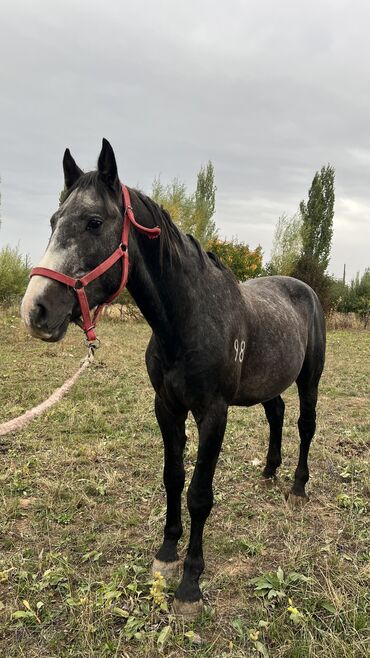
107 165
71 171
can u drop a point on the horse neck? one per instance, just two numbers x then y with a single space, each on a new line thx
162 291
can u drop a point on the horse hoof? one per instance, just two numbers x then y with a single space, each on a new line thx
188 609
296 502
166 569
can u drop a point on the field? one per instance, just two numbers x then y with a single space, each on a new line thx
82 508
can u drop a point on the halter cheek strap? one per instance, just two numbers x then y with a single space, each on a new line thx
78 285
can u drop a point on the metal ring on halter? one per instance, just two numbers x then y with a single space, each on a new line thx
92 344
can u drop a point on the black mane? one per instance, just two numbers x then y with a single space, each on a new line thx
173 241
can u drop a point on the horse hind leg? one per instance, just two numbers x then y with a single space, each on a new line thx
308 383
274 410
307 390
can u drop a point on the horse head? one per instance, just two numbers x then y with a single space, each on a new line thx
85 230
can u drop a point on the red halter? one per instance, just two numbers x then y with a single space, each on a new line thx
78 285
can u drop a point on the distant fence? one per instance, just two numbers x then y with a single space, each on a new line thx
127 312
347 321
131 313
122 312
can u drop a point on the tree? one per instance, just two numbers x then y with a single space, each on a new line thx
193 213
302 243
317 218
205 204
287 244
175 199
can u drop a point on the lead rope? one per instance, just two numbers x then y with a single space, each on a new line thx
17 424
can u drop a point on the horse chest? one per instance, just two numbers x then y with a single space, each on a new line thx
195 379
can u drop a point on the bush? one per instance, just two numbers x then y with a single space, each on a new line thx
245 263
355 297
14 271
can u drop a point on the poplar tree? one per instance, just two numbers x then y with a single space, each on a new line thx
175 199
205 205
193 213
286 245
317 218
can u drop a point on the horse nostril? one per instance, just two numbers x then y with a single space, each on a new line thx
38 315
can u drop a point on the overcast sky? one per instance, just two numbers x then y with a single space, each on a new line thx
269 91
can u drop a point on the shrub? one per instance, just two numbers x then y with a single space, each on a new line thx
355 297
14 271
244 262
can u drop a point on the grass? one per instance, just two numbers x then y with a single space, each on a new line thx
82 509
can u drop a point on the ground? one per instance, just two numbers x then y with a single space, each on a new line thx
82 509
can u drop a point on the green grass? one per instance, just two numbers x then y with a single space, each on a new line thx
82 509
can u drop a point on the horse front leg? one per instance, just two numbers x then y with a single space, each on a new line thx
173 432
188 597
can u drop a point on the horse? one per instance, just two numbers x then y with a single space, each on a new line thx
215 342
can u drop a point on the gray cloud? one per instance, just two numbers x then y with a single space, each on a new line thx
268 91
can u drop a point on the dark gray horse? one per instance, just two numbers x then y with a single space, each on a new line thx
215 343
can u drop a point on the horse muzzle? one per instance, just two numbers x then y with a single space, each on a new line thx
43 318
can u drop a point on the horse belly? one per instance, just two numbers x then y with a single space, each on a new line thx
269 370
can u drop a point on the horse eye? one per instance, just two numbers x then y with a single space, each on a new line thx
94 224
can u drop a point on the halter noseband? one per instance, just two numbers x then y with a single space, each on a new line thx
88 323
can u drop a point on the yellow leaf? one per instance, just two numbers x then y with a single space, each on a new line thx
26 604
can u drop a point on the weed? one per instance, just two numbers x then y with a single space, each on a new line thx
275 585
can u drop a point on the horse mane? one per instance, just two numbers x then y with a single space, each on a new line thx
218 262
172 239
172 243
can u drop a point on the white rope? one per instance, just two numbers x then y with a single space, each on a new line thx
20 422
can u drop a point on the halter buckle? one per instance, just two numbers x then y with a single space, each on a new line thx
78 285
